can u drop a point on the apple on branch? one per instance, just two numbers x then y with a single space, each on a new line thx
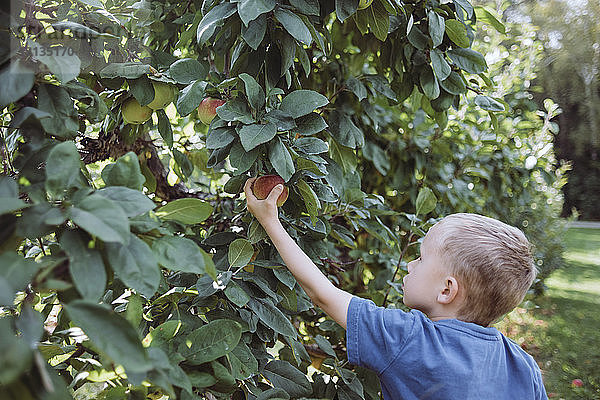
263 185
208 109
164 94
134 113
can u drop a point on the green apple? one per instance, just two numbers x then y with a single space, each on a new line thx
134 113
164 94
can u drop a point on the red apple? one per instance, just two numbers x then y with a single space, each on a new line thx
577 382
262 186
208 109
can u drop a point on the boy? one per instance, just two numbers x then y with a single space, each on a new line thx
472 270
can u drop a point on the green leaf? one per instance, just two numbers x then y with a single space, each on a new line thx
454 84
133 202
256 232
39 220
344 9
60 60
426 201
162 334
15 82
17 271
255 134
240 253
219 137
184 166
488 103
9 193
436 27
378 156
285 376
254 92
164 127
135 265
56 101
378 19
124 172
440 65
187 70
417 38
325 346
284 121
215 17
186 211
211 341
236 294
281 160
235 110
111 334
486 15
101 217
466 5
310 198
311 145
307 7
357 87
294 25
343 156
15 357
429 83
85 265
310 124
243 363
242 160
344 131
381 85
62 169
272 317
179 254
128 70
89 102
190 97
468 60
302 102
457 32
249 10
254 33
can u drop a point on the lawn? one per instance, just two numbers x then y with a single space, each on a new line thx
563 331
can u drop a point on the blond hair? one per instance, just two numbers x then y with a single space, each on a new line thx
493 262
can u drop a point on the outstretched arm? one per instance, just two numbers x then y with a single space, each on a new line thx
322 292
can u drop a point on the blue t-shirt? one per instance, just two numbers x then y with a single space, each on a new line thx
416 358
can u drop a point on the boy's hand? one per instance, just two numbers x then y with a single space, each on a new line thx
264 210
322 292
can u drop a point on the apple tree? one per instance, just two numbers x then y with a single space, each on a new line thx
129 266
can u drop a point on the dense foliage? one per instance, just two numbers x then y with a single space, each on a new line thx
129 265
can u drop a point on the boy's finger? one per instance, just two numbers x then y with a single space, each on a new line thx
248 188
274 194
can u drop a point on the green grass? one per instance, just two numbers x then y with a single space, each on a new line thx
563 332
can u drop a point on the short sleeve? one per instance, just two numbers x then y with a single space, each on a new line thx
540 390
375 335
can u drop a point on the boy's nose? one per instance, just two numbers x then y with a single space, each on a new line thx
409 266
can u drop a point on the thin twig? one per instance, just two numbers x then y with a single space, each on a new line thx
408 242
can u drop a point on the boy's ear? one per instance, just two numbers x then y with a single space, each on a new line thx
449 292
